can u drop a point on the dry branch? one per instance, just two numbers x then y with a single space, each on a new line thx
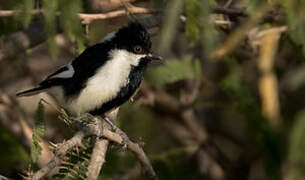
99 151
107 5
97 158
62 150
236 37
267 83
20 41
89 18
138 152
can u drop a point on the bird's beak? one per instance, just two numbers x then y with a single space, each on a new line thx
154 58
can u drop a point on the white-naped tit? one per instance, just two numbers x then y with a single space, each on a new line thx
104 76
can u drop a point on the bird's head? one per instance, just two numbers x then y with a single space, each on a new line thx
134 39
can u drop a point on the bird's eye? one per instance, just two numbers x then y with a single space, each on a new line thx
138 49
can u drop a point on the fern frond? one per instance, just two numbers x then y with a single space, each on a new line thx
38 132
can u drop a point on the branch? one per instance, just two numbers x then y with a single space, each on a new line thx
97 159
139 153
99 152
267 82
89 18
4 178
20 41
107 5
62 150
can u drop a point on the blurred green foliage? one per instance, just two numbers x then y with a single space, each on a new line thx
70 23
38 132
174 70
296 21
50 9
76 162
296 148
12 154
171 21
232 96
26 6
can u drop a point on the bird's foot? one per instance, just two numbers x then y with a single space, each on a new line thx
100 129
131 99
108 121
114 128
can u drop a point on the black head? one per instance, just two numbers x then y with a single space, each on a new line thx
134 38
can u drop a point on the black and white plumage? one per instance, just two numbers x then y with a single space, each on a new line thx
104 76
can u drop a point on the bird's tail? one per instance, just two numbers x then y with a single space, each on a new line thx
31 92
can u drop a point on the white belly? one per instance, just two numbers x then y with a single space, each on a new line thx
104 85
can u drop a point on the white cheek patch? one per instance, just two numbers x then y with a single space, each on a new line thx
65 74
108 37
106 83
127 57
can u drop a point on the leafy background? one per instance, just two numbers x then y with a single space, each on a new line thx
201 115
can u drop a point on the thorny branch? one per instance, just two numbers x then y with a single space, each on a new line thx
89 18
31 37
100 148
139 153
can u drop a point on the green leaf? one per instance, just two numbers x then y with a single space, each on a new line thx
70 23
38 132
50 8
24 7
252 6
174 70
296 21
198 24
76 162
296 149
170 23
192 10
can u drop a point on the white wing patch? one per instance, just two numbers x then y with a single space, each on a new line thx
65 74
108 37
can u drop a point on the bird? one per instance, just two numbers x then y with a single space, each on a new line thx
103 76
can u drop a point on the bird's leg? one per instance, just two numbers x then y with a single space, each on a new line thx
131 100
132 97
100 129
90 122
117 130
107 120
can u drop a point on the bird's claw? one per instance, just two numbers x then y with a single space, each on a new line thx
99 133
125 141
131 100
108 121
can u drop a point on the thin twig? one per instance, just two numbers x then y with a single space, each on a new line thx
62 150
89 18
139 153
76 140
